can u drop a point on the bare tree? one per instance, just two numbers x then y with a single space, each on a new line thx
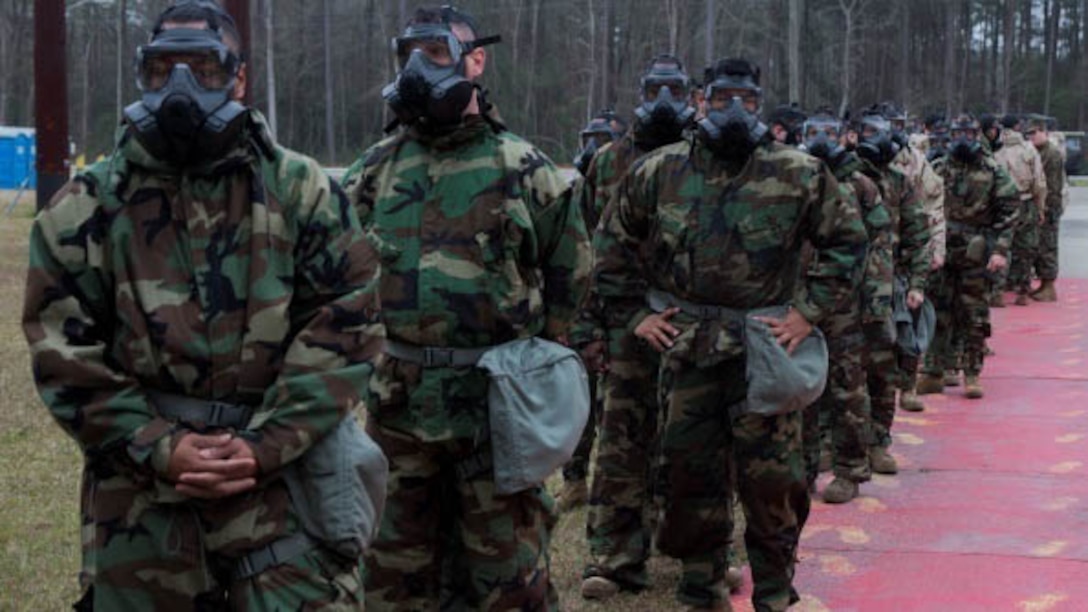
849 8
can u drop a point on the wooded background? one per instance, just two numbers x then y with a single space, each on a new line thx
561 60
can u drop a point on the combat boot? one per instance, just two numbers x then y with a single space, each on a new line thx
1022 298
973 388
909 401
1045 293
840 491
997 300
599 588
881 461
720 605
952 378
574 493
929 384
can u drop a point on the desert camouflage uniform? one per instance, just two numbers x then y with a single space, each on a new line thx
480 245
245 280
982 203
687 224
930 188
1046 262
1022 162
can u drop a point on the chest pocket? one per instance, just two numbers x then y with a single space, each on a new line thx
670 238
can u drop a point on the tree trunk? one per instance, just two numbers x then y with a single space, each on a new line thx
847 52
1053 19
591 21
330 132
796 10
903 84
610 52
270 64
711 14
1082 115
949 59
1006 54
122 54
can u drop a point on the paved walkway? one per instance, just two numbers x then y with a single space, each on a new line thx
990 509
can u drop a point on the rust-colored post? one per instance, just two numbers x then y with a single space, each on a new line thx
50 98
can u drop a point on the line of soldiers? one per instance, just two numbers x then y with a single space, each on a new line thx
209 315
944 211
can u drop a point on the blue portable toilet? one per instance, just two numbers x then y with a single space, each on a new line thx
18 151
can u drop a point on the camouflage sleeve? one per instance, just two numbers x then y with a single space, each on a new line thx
914 238
619 269
932 189
564 254
353 182
1005 203
835 229
590 324
1055 179
66 319
1038 180
335 310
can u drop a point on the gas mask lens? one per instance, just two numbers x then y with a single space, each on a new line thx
439 49
677 89
209 69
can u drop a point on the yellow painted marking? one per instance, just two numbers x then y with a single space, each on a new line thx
908 438
917 421
853 535
814 530
1042 603
1073 413
870 505
885 482
808 603
1065 467
1059 504
1069 438
836 565
1050 548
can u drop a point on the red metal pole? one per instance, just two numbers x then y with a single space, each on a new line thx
239 10
50 98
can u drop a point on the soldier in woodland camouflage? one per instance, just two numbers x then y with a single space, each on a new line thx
846 400
982 204
910 238
480 245
220 267
913 162
712 225
618 526
1046 262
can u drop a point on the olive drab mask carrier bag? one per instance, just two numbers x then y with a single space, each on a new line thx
538 404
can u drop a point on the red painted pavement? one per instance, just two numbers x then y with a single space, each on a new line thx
990 509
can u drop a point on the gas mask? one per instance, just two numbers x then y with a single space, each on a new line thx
965 146
186 114
664 112
821 138
430 90
875 142
938 145
732 132
597 134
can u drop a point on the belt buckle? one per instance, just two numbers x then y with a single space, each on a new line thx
437 357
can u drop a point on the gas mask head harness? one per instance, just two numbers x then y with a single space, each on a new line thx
664 108
731 128
431 90
875 142
938 139
186 78
601 130
822 134
964 145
